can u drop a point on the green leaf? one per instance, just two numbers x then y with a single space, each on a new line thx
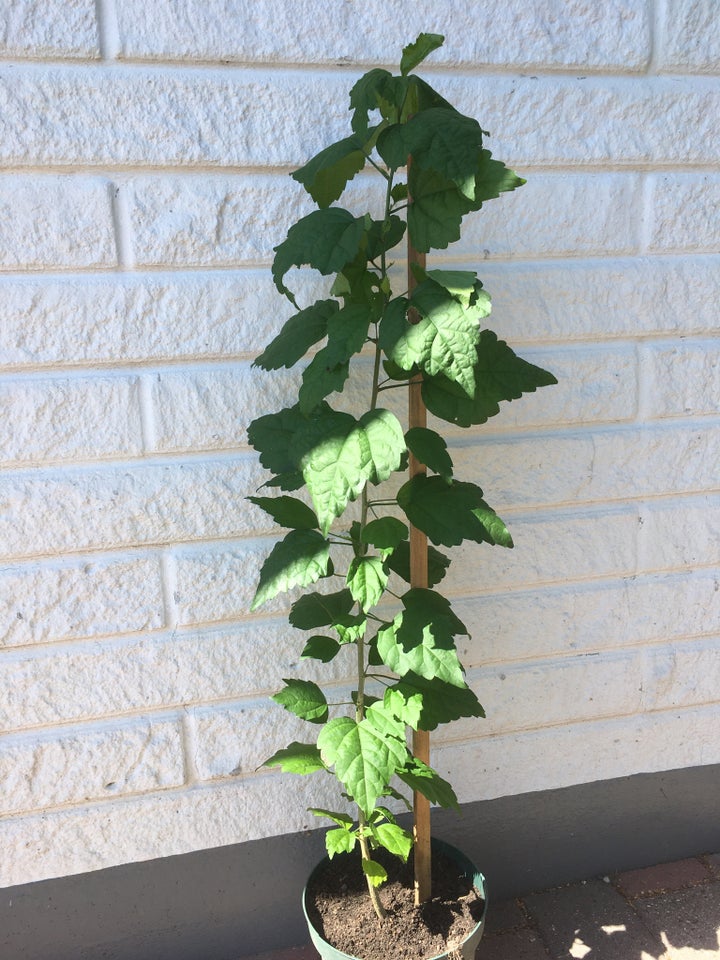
425 704
416 52
324 239
298 334
297 757
347 331
303 698
366 96
320 648
385 533
430 449
399 563
423 779
492 179
339 455
301 558
499 375
271 436
342 819
367 580
420 638
439 139
394 839
435 214
365 754
451 512
339 841
287 512
462 284
320 609
393 323
375 872
327 174
383 236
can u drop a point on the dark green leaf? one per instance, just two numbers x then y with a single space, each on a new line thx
303 698
271 436
399 563
383 236
298 334
440 702
347 332
414 53
320 648
367 579
492 179
451 512
436 211
324 239
301 558
462 284
423 779
430 449
393 323
366 96
385 533
342 819
285 481
287 512
297 758
327 174
320 609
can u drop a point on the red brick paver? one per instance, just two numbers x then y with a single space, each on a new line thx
664 877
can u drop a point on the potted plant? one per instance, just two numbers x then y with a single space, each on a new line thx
361 523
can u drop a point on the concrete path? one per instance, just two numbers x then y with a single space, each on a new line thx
667 912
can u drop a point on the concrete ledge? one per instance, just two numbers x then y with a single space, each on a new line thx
236 901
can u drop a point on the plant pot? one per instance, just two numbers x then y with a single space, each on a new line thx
463 951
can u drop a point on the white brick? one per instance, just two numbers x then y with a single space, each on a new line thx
82 509
75 599
92 680
581 753
211 409
79 764
70 419
57 115
66 842
49 28
556 33
684 212
240 739
48 221
218 583
680 534
681 379
124 318
589 617
690 38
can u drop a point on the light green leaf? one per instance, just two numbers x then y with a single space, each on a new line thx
342 819
375 872
414 53
394 839
320 609
324 239
297 757
423 779
462 284
399 563
327 174
339 841
298 334
406 706
287 512
499 375
301 558
367 580
430 449
320 648
439 702
303 698
451 512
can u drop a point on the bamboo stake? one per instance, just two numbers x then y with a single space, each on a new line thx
417 417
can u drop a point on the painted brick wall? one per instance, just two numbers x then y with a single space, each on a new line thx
144 153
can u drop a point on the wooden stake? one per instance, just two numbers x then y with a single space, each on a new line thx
417 417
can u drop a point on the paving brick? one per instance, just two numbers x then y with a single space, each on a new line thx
590 917
689 37
71 599
50 28
75 765
558 34
682 212
63 419
688 921
503 917
513 945
662 877
54 222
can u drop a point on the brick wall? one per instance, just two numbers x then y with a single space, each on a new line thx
143 183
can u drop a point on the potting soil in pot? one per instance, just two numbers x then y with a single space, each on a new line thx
339 908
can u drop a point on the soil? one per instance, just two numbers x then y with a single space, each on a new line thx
339 908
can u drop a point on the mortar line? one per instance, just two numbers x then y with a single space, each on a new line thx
109 34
